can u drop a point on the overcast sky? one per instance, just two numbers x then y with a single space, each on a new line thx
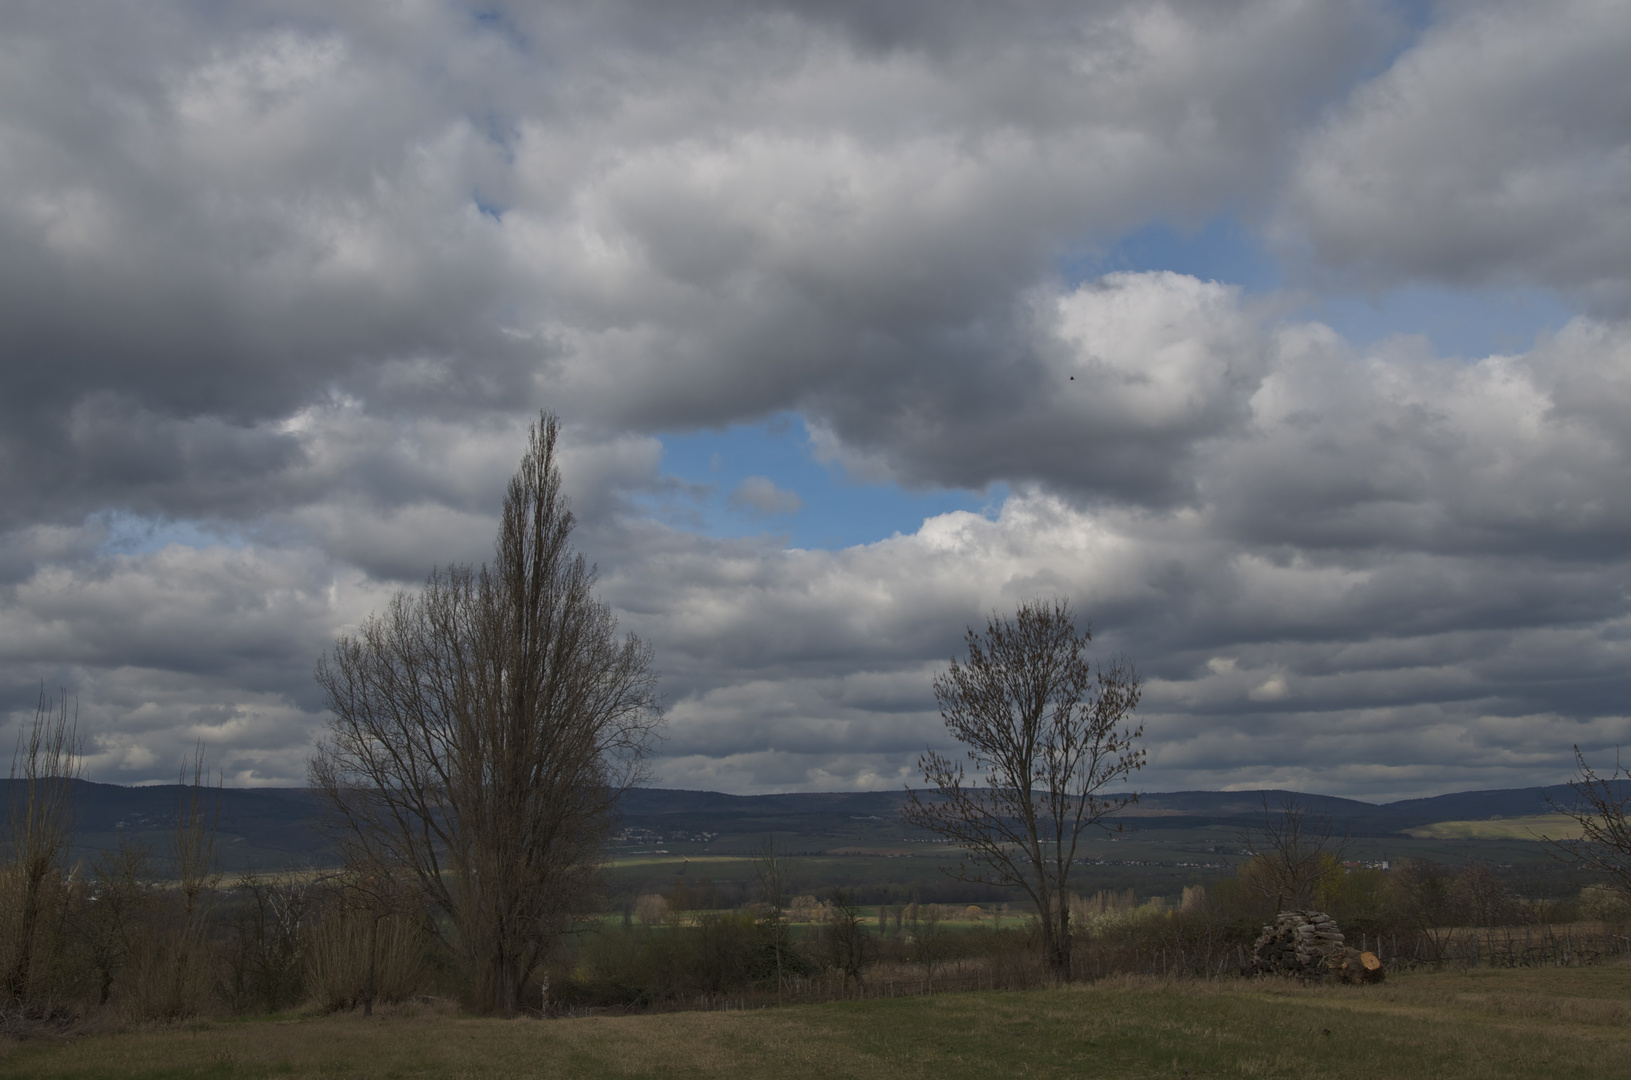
1291 340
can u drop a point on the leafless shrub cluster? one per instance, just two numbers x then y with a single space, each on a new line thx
129 931
34 932
355 957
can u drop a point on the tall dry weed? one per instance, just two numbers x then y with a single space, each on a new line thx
173 976
337 958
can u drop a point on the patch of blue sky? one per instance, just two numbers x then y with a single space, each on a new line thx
832 510
133 534
1470 322
1221 250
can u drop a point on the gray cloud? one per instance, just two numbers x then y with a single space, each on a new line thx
1386 559
1284 632
639 219
1119 382
1498 147
282 284
760 495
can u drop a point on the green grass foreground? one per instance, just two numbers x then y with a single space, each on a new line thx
1545 1022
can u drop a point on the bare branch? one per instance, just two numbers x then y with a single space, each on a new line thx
1599 810
1045 734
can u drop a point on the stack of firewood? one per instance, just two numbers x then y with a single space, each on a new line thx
1309 945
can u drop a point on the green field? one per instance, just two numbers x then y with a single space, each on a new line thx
1151 861
1533 827
1552 1022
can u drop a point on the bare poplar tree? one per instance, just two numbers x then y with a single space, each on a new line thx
1601 807
189 980
1044 731
1295 848
482 731
39 829
771 871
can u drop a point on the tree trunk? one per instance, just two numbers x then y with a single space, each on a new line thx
1061 958
778 966
507 994
1049 948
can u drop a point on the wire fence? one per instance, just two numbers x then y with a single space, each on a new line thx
1578 945
1571 945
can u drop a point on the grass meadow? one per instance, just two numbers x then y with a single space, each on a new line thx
1532 827
1552 1022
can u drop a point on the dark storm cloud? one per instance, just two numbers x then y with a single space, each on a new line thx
282 284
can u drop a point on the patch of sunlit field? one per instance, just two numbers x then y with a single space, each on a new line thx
1532 827
659 859
1549 1022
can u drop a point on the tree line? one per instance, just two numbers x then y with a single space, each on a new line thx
148 933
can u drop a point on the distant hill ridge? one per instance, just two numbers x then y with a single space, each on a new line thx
267 827
1185 808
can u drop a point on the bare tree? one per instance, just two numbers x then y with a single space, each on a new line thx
1424 894
1599 808
1044 731
1483 899
772 874
482 731
121 892
269 939
1296 847
198 813
844 942
926 939
39 829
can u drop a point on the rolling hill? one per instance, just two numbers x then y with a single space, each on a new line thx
273 827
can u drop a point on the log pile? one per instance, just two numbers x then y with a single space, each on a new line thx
1308 945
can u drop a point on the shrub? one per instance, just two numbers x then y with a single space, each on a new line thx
651 909
1604 904
337 958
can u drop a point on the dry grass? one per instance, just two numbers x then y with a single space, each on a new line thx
1525 1023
